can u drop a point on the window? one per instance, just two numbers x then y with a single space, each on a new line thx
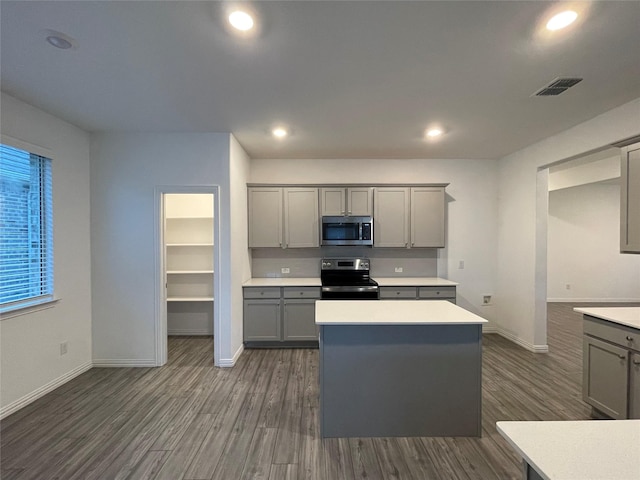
26 229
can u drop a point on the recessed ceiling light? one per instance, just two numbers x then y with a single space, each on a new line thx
279 132
561 20
58 39
434 132
241 20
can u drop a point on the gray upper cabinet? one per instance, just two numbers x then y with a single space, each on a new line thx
301 223
357 201
409 217
265 217
630 199
283 217
427 217
391 217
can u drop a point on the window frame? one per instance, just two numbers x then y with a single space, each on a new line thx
40 302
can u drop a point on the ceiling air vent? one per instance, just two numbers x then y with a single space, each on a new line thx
556 87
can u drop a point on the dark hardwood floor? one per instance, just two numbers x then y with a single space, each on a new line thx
190 420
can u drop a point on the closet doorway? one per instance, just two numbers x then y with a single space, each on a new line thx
188 232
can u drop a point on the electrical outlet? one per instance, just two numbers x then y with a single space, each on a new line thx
568 286
399 269
64 348
486 299
461 265
285 270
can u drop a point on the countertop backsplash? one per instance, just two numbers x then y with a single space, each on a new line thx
305 262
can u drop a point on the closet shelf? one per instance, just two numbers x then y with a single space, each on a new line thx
189 299
189 244
189 272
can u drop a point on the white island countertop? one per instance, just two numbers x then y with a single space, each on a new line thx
577 450
629 316
393 312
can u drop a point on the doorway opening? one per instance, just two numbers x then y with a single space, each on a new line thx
187 233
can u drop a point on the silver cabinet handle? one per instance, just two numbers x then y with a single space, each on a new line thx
636 362
622 357
629 338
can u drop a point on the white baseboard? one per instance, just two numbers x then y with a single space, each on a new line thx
40 392
123 362
593 300
186 331
230 362
518 341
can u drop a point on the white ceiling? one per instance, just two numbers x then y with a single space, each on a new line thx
360 79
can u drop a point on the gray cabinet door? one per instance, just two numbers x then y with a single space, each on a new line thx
332 201
634 386
262 320
360 201
391 218
265 217
604 377
630 199
301 218
427 217
300 320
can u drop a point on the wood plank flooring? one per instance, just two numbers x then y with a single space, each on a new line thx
260 419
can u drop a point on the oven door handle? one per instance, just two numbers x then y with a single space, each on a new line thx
351 288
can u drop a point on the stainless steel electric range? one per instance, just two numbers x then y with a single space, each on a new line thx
347 279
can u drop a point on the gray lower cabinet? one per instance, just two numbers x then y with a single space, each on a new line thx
262 320
605 377
280 316
634 386
418 293
299 320
611 368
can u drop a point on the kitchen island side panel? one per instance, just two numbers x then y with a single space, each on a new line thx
400 380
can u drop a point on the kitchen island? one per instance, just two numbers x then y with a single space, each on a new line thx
585 450
399 368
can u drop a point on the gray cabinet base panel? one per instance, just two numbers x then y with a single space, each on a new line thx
278 344
400 380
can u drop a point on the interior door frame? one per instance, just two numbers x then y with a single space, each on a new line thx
160 311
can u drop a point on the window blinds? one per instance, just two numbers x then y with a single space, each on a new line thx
26 229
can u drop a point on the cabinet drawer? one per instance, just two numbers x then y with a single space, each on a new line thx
397 292
612 332
437 292
301 292
262 292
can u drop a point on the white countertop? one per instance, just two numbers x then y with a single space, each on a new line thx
629 316
414 282
382 281
283 282
580 450
393 312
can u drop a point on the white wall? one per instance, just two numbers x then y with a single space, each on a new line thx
471 208
522 262
125 170
240 255
584 247
31 364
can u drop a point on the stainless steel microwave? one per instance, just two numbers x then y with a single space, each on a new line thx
338 230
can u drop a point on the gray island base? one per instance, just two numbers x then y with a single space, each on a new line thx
399 368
